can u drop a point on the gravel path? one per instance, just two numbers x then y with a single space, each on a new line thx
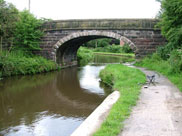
158 111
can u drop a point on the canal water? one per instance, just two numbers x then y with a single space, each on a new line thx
52 104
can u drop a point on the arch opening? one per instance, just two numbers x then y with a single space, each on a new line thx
67 47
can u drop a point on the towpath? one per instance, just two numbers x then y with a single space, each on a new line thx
158 111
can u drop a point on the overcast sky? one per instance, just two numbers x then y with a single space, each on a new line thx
90 9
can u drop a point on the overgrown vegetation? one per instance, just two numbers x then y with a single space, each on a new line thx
27 33
171 26
84 56
9 15
114 49
101 43
19 29
126 80
107 45
116 54
171 68
20 35
18 63
168 59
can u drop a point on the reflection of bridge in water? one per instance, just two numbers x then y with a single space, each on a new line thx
59 93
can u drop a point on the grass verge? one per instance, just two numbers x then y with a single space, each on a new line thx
18 63
157 64
116 54
126 80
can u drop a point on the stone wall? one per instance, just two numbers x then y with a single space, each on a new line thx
106 24
68 35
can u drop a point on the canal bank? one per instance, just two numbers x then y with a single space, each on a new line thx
94 121
54 103
128 81
158 111
116 54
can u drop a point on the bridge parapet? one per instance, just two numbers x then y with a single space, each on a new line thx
101 24
63 37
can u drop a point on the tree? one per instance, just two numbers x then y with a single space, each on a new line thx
8 19
171 22
28 33
101 42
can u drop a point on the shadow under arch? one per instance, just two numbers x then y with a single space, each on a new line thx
66 48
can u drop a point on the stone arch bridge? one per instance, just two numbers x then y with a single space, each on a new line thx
63 38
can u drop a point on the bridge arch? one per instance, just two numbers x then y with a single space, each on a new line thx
65 49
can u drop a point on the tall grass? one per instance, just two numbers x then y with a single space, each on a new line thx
169 68
21 63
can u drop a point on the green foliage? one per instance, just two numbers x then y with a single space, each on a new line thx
16 63
28 33
170 68
8 19
103 42
175 61
125 80
100 43
170 23
84 56
109 48
132 55
21 29
164 51
172 65
114 49
126 49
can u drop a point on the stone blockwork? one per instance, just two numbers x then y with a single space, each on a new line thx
63 38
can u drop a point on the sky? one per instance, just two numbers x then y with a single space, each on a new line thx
90 9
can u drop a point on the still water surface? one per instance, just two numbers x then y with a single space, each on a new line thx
51 104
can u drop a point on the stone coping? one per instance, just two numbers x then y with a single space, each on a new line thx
94 121
101 24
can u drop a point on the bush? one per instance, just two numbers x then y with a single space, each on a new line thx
23 33
174 58
155 62
16 63
175 61
114 49
100 42
156 57
163 52
9 15
171 68
126 49
170 23
84 56
109 48
28 33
